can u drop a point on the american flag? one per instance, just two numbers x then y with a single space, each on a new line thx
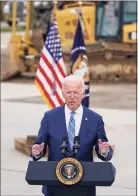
51 69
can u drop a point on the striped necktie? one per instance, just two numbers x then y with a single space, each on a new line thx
71 130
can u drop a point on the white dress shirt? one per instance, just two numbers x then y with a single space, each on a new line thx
78 118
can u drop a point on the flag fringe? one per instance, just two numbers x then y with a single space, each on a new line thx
43 95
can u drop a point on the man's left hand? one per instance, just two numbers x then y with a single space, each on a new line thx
103 147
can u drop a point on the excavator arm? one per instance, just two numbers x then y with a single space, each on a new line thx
20 55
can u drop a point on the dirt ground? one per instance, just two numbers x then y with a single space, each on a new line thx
109 96
107 71
113 85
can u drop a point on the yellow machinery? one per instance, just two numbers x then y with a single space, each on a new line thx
110 24
109 30
22 56
67 23
110 33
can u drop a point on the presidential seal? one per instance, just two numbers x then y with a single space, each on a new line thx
69 171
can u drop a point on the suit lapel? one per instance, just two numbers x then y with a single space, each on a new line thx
84 123
61 122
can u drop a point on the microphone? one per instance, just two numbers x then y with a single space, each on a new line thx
64 143
76 146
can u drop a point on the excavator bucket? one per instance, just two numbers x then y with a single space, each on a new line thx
20 55
10 61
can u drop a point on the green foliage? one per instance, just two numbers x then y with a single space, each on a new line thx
9 29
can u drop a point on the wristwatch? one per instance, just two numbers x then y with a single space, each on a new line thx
104 154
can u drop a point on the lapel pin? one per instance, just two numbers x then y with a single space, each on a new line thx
86 118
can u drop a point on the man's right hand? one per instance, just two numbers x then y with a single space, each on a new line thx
37 149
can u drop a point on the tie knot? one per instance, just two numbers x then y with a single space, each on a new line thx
73 113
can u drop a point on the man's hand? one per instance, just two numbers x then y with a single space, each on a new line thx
37 149
103 147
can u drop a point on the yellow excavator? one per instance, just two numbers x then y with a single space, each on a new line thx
111 24
20 55
109 31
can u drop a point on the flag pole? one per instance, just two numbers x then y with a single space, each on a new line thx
80 60
52 18
79 12
54 10
81 19
51 67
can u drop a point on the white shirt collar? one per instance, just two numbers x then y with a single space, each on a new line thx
79 111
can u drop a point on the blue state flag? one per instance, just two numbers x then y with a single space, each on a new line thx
80 61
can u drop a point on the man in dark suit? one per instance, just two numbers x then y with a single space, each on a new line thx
72 119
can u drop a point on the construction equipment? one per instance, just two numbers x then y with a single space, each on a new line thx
20 11
109 31
110 25
110 36
20 55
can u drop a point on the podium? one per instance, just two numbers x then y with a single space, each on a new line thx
94 174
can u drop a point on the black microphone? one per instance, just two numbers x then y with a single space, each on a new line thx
64 143
76 146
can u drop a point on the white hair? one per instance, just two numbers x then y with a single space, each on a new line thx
74 78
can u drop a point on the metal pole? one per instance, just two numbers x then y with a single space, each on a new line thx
13 18
53 16
28 21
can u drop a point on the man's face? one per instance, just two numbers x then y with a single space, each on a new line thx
73 94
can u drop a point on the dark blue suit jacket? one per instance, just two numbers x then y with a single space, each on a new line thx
53 129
